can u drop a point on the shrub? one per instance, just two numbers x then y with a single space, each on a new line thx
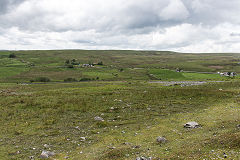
100 63
67 61
74 62
70 66
12 55
85 79
70 80
41 79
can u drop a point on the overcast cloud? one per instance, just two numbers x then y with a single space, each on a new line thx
176 25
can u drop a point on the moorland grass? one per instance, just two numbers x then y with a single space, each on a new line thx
117 65
59 114
135 112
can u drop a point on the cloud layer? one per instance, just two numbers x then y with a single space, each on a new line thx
177 25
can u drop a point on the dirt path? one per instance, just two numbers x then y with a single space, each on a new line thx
184 83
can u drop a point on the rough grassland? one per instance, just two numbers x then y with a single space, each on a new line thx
135 112
59 114
118 65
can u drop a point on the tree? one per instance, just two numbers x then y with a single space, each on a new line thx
67 62
100 63
12 55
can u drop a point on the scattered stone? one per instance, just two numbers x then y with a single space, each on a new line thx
224 155
127 143
46 154
98 118
112 147
161 140
191 125
46 146
143 158
136 147
83 138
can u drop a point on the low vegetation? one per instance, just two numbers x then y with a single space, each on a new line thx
115 65
40 79
12 55
112 111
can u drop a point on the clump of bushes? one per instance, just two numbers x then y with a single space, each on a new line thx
70 66
100 63
85 79
71 62
40 79
12 55
70 80
81 80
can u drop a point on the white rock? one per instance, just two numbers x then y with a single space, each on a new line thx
98 118
83 138
238 126
46 154
46 145
143 158
191 125
161 140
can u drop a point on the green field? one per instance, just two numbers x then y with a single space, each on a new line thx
117 65
135 112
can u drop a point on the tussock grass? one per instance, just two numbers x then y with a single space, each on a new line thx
136 113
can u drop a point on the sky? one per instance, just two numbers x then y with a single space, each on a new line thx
174 25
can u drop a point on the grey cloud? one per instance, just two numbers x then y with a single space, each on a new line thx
212 12
84 42
8 4
178 24
131 17
235 34
137 15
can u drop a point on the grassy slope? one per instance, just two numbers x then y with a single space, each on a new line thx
59 114
34 115
51 64
166 75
